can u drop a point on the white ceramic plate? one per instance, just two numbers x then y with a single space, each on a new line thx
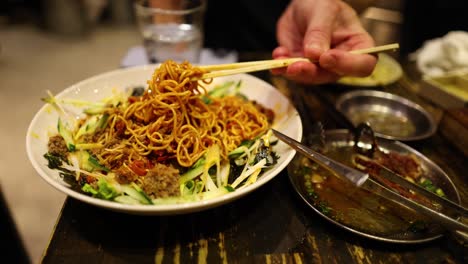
386 71
287 120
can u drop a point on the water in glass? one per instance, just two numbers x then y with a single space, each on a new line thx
177 42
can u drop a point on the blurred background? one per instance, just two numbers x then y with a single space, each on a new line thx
51 44
46 45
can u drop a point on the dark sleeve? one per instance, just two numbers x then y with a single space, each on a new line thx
431 19
244 25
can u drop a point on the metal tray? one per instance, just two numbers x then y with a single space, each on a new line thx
359 211
448 91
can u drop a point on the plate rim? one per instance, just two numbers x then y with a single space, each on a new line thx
159 209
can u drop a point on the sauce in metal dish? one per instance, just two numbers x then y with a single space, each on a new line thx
387 123
353 207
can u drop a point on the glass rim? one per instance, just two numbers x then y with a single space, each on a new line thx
151 10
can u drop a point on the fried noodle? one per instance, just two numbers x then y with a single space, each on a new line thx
172 121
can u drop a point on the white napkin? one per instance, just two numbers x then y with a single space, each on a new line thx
443 55
136 56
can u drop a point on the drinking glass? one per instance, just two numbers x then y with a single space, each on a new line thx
171 29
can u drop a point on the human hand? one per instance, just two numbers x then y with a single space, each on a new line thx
323 31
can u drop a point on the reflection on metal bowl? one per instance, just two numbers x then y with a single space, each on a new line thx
389 115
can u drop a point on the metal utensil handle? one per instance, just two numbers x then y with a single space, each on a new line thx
361 179
445 220
418 189
355 176
392 176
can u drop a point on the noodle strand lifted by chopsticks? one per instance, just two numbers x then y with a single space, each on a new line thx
171 120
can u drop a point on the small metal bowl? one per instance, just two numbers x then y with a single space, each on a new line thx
390 116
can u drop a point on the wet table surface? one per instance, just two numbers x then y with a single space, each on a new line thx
270 225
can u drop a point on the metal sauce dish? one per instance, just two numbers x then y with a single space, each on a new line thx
357 210
390 116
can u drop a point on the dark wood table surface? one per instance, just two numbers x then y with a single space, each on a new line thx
270 225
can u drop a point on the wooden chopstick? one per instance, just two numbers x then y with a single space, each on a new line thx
238 65
244 67
252 66
377 49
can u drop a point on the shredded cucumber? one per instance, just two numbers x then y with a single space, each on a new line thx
66 135
209 177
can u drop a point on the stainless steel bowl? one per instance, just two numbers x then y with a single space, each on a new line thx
356 210
390 116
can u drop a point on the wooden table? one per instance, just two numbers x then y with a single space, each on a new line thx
270 225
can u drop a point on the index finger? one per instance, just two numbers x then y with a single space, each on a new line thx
317 38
